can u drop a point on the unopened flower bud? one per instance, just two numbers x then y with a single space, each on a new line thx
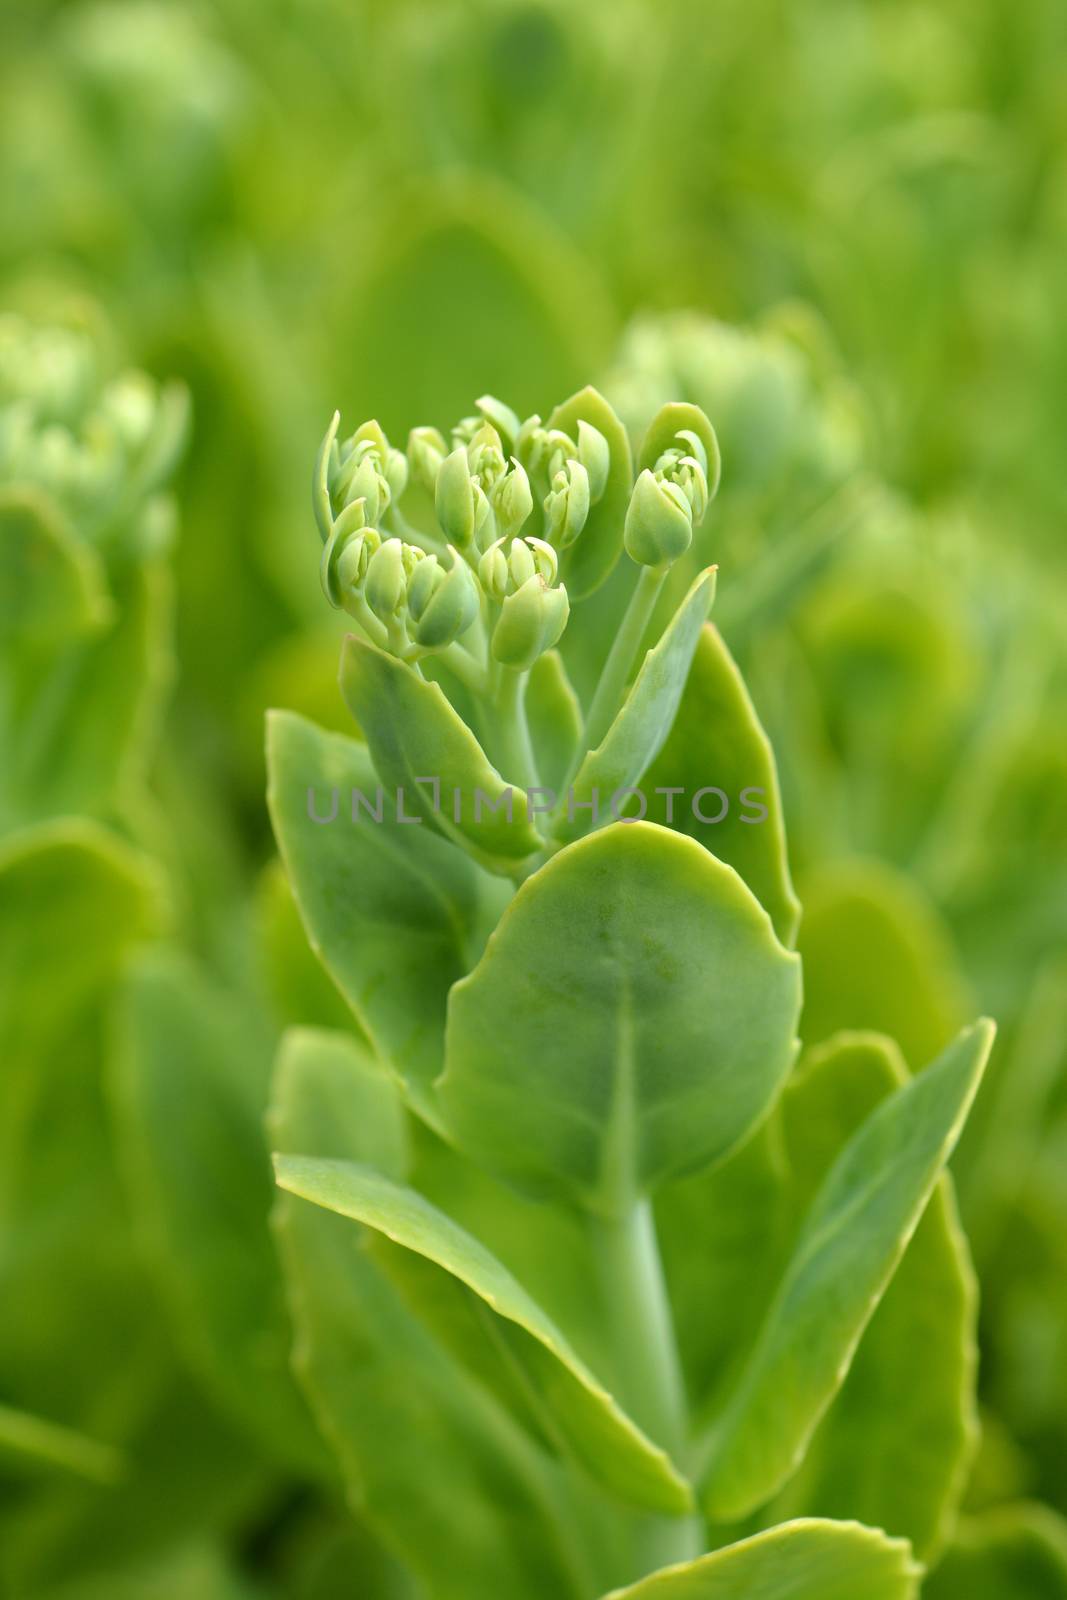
659 522
689 476
529 442
396 473
695 447
442 604
360 479
385 585
520 563
502 417
567 505
454 498
428 575
512 500
531 621
426 451
485 457
354 558
325 464
546 561
346 554
493 571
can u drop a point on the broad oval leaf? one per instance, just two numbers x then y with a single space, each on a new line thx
592 556
717 740
389 909
639 729
809 1559
583 1414
425 753
631 1019
485 1513
852 1240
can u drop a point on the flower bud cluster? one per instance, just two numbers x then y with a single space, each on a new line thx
362 470
417 600
533 608
482 483
669 501
480 494
572 474
100 445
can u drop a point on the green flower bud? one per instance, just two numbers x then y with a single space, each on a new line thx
360 479
529 442
512 500
351 543
688 475
521 565
485 457
325 465
455 499
659 522
502 417
426 451
567 505
425 580
442 604
396 472
696 447
494 573
386 582
350 567
546 561
559 450
594 453
531 621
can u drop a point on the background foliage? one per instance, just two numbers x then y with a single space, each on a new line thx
841 230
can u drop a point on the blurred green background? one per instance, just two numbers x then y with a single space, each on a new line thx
841 228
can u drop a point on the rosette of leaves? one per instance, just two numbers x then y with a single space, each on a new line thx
639 1293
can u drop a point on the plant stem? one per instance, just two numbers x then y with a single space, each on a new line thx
616 669
511 734
649 1370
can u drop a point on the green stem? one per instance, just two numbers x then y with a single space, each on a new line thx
616 670
511 733
649 1370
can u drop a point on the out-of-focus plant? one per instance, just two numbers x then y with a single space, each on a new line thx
105 1441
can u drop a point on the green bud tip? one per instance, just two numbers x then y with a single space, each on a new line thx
502 417
426 451
385 585
659 522
567 504
531 621
442 604
512 500
455 499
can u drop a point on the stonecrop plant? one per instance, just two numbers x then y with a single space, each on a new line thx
608 1281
